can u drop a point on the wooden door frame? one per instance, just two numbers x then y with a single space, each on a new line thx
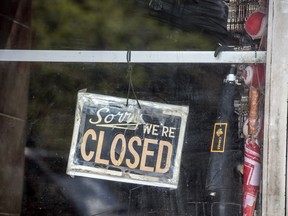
274 179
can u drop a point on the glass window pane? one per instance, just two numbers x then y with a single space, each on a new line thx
114 25
206 186
52 99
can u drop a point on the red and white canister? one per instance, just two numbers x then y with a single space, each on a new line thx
252 175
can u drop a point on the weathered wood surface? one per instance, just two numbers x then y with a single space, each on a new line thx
275 149
14 85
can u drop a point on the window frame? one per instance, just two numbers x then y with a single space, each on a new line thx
274 181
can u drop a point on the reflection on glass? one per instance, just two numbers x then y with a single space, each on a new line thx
114 25
52 102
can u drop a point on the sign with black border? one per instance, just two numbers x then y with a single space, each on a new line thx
123 143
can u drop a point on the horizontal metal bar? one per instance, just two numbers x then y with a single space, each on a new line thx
136 56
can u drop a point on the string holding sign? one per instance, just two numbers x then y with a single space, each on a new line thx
130 85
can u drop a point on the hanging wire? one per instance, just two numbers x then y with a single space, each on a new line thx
130 86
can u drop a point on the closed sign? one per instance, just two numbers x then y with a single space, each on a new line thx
115 141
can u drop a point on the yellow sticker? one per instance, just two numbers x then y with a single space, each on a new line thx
219 137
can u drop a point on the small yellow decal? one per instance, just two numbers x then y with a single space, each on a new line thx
219 137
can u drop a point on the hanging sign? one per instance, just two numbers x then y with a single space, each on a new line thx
126 143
